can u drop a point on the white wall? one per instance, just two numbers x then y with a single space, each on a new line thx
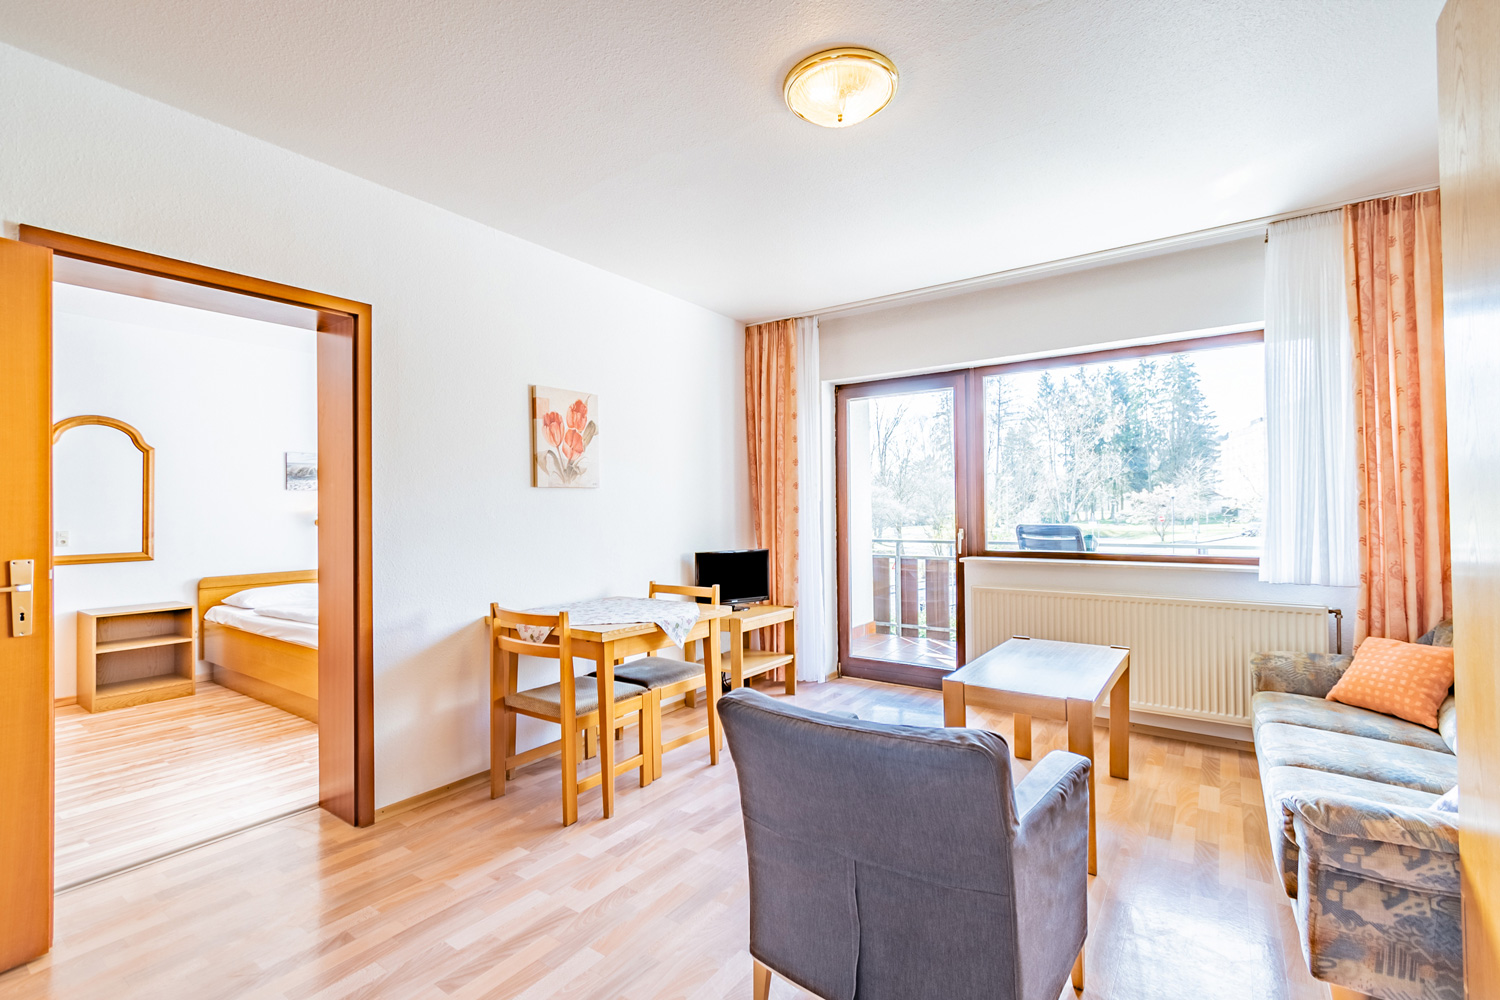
1155 298
1192 290
465 318
220 399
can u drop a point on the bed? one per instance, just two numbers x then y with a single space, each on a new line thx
269 657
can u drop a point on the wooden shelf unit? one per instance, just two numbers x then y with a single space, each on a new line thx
135 654
757 662
743 663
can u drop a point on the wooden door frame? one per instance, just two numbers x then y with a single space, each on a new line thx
346 739
894 671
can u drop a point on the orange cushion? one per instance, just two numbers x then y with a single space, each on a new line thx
1404 679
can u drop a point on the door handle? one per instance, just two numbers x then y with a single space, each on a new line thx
22 572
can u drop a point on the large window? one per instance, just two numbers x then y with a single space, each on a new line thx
1154 452
1144 452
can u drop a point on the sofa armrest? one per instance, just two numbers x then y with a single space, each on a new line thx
1348 816
1050 865
1408 846
1312 674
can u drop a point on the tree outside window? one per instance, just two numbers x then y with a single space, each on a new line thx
1159 455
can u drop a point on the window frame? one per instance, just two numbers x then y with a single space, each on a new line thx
977 542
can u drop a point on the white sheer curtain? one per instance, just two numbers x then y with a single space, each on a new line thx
814 653
1311 491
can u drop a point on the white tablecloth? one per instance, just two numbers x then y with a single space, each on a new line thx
676 618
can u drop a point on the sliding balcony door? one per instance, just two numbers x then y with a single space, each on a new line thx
900 510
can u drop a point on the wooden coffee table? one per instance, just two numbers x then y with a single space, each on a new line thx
1050 680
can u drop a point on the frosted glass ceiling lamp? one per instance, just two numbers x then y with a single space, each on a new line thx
837 88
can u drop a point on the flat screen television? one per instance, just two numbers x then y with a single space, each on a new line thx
743 575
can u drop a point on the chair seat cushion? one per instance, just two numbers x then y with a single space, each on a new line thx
1280 745
1336 717
658 671
547 700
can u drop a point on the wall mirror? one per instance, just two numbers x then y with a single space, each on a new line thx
103 491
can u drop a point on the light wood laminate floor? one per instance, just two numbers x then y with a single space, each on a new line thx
138 783
905 649
466 898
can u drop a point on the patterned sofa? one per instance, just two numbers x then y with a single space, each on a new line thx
1371 867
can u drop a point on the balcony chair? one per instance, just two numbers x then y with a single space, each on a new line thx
1050 537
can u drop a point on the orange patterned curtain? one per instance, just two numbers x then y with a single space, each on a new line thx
1393 267
771 430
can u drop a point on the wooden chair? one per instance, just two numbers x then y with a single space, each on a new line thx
571 705
667 676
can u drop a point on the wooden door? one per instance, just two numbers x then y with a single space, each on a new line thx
25 661
1468 47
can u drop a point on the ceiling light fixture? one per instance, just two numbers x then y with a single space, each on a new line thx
840 87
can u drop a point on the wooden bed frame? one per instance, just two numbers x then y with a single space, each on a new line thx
274 671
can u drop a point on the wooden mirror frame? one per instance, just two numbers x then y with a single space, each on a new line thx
148 492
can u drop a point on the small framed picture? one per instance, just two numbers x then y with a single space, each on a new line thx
564 428
302 470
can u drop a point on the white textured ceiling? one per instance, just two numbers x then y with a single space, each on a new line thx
648 137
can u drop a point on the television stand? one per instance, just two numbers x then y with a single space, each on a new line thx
746 663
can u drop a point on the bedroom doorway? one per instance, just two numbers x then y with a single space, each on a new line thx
150 641
184 450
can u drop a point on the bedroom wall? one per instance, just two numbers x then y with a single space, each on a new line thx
465 319
1211 288
221 399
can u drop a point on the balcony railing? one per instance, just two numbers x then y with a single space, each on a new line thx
916 588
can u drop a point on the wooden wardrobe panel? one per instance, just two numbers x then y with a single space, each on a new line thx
1469 157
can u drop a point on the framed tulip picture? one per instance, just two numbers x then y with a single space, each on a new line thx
564 432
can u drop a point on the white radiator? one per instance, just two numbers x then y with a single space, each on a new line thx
1187 658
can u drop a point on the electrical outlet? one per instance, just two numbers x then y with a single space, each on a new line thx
60 540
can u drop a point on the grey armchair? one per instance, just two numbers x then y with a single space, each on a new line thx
899 863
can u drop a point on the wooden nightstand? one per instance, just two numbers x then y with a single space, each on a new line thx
745 663
135 654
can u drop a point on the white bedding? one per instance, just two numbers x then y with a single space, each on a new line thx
301 633
280 595
291 612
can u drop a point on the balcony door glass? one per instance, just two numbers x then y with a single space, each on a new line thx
900 508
